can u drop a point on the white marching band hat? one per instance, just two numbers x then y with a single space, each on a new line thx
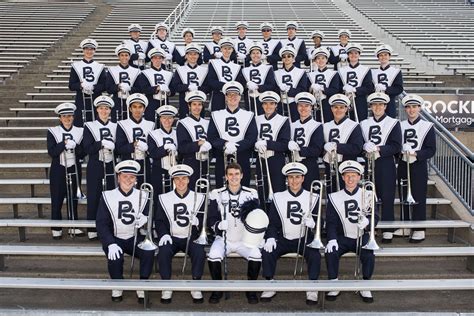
104 100
320 51
196 95
217 29
66 108
291 24
233 86
134 27
156 51
317 33
269 96
226 41
128 167
287 50
305 97
122 48
256 45
378 97
351 166
180 170
339 99
166 110
294 168
89 43
162 25
243 24
384 48
255 225
344 32
354 46
266 25
137 97
412 99
192 47
187 30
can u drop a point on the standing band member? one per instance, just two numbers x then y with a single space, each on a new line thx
121 213
338 56
179 55
99 145
160 40
291 218
346 221
242 43
225 219
271 47
295 42
137 46
317 36
212 50
419 145
65 149
179 219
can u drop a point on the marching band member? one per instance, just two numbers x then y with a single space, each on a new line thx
154 82
324 82
297 43
307 138
346 221
317 37
179 54
132 134
357 82
259 78
338 54
342 136
179 216
65 149
189 77
191 133
387 79
99 145
232 133
121 82
291 81
271 47
272 143
419 144
383 141
160 40
221 71
162 149
212 50
225 219
242 43
137 46
121 212
290 215
87 78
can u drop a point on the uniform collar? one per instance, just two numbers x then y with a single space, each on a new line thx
234 193
164 131
157 69
291 39
380 119
291 68
136 121
242 38
123 67
133 40
161 39
197 119
268 40
235 111
125 194
385 68
256 65
64 128
182 196
192 67
353 192
271 116
341 121
102 122
306 120
297 193
323 70
88 62
228 61
415 121
355 66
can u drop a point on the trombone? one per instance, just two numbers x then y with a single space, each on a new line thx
287 104
334 170
89 98
166 181
70 177
231 159
354 107
318 106
104 165
409 200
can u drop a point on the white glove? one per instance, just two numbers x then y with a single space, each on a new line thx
223 225
241 56
166 239
270 245
252 86
71 144
114 252
230 148
170 147
407 147
363 223
164 88
125 87
87 86
370 147
316 87
330 146
309 222
293 146
192 87
261 145
205 147
217 55
141 56
332 246
349 89
284 87
380 87
343 57
107 144
141 220
142 146
169 57
194 221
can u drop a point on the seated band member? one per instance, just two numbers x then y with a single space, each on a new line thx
120 215
232 133
137 46
179 219
65 149
226 222
132 134
191 132
291 218
179 54
419 145
343 139
347 219
338 55
307 138
99 145
295 42
383 142
271 47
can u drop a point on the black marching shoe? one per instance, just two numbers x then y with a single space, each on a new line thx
215 297
252 297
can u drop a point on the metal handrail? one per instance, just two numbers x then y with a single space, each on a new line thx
175 16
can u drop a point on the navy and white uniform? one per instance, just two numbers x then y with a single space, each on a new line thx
386 134
115 76
309 54
342 216
62 159
179 56
182 78
165 45
129 131
271 49
136 46
331 81
308 134
360 77
298 81
264 77
242 45
299 46
94 133
421 136
148 82
189 131
115 224
221 72
392 78
238 127
287 215
209 49
334 53
91 72
174 217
